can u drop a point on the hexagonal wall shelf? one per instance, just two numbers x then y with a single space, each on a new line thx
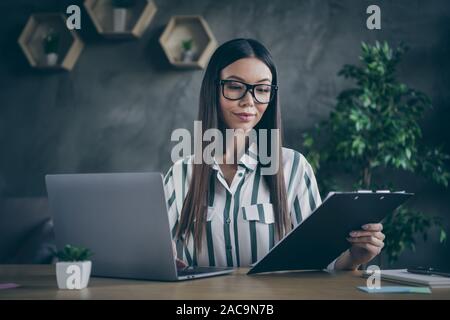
48 44
121 19
188 42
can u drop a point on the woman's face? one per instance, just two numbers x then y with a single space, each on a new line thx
244 113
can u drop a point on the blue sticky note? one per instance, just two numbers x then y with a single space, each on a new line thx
396 289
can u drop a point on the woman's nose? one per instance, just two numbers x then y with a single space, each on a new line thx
247 99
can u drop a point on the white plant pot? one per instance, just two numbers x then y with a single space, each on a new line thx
51 59
120 19
187 56
73 275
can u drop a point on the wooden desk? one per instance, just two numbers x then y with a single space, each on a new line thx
39 282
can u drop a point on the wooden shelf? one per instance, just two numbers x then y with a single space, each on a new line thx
137 18
32 38
182 28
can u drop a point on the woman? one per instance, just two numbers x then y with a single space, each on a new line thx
228 213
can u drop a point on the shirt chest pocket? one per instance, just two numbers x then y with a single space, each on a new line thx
260 212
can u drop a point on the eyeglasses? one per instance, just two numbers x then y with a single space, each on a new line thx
236 90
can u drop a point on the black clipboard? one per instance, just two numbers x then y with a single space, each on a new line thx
321 238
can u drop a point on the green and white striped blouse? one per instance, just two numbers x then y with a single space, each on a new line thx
240 219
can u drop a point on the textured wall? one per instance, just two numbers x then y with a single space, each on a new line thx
116 110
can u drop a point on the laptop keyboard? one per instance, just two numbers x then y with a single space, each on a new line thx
198 270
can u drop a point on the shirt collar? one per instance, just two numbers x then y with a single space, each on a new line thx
248 160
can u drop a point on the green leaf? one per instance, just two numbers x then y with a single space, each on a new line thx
442 236
71 253
376 124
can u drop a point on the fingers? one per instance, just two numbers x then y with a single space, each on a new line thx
374 241
370 239
181 263
373 227
378 235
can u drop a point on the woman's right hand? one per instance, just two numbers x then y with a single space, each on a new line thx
180 263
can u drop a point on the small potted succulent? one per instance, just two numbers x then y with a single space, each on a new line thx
187 54
120 8
73 268
51 46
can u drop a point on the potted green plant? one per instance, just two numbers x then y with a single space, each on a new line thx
51 47
373 131
187 53
73 268
120 9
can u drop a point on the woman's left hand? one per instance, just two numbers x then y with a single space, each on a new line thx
366 243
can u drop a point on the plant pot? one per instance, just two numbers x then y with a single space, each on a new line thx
119 19
73 275
51 59
187 56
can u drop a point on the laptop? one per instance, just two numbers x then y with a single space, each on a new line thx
123 219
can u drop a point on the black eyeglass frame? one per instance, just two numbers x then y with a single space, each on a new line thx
249 87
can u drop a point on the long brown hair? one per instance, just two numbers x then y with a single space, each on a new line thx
193 214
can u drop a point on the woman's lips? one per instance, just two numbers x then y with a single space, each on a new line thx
246 117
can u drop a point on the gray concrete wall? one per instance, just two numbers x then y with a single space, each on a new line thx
116 110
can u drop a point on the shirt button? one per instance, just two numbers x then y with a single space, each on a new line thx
228 221
240 174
